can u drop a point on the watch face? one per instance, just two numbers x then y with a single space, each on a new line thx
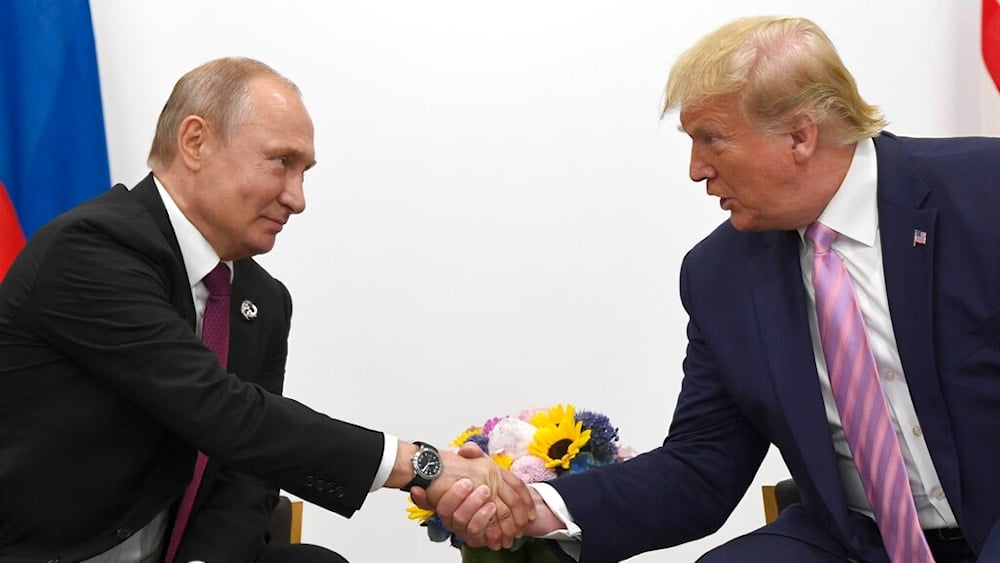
428 463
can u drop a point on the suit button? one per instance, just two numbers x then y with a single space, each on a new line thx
309 481
338 492
55 560
124 532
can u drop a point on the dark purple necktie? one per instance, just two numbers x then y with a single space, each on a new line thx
863 410
215 335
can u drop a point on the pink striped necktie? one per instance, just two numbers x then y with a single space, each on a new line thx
215 335
863 411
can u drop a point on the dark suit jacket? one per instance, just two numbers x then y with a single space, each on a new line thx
106 393
750 377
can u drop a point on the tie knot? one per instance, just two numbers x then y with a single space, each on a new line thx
217 281
821 236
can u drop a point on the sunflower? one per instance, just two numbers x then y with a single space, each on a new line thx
557 444
554 415
414 512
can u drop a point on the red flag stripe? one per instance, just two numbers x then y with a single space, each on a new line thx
11 237
991 39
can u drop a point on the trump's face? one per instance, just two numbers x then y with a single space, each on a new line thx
249 186
754 173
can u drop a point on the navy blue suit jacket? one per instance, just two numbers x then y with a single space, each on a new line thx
750 376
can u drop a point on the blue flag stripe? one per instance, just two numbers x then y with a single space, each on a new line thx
53 153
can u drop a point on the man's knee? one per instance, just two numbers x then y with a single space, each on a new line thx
794 537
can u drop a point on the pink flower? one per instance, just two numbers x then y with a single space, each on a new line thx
531 469
511 436
489 424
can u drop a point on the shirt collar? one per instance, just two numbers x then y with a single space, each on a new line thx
198 255
853 211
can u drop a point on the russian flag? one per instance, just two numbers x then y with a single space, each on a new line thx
53 153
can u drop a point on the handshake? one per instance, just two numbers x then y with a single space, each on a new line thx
479 493
475 497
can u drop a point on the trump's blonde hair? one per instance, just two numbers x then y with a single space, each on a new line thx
782 69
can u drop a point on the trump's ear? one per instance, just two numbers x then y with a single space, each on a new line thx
193 139
804 138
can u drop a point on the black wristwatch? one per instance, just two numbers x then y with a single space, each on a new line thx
426 466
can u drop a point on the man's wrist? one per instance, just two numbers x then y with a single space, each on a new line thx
417 464
402 469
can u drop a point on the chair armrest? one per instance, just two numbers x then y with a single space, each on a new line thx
286 521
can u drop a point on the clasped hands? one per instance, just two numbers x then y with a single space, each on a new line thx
478 500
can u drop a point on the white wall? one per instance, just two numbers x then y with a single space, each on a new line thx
498 217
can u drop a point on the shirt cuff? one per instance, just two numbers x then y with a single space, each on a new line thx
388 461
569 538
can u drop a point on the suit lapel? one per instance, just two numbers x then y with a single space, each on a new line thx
909 285
147 194
245 341
776 285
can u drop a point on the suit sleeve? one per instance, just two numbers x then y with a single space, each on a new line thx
684 489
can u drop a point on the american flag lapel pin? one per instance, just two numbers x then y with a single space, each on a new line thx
919 237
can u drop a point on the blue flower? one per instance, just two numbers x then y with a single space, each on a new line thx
481 441
603 437
435 529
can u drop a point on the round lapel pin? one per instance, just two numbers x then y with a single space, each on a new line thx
248 309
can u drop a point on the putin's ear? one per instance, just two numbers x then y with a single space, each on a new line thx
193 138
804 138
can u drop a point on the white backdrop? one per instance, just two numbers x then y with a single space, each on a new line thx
498 217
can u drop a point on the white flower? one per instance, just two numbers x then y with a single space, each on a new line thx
511 436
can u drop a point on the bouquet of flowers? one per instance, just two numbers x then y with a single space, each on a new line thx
537 445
